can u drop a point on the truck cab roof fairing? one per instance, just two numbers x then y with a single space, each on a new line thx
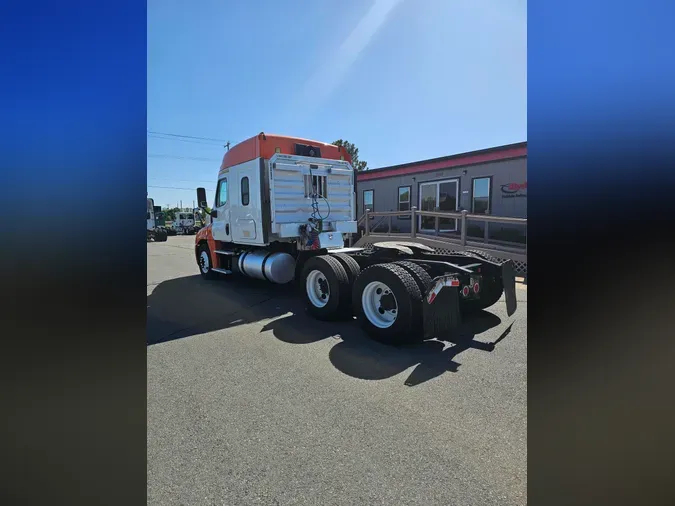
265 146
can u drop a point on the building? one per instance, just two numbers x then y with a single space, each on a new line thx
489 181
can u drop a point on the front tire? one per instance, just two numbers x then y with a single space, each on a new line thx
204 263
387 302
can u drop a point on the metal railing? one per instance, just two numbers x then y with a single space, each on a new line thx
458 236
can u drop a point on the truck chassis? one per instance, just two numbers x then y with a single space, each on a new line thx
400 292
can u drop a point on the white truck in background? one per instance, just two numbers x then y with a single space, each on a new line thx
155 224
281 211
184 223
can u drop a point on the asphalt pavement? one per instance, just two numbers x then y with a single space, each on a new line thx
251 401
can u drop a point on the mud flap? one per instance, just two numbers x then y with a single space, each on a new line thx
509 283
441 311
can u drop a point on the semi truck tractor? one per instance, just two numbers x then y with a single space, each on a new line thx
282 208
184 223
155 223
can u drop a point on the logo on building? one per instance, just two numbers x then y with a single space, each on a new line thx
511 190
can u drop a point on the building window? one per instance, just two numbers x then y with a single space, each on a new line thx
404 201
480 203
245 196
316 185
221 197
369 201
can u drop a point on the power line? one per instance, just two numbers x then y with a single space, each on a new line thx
183 180
171 187
197 158
187 136
203 143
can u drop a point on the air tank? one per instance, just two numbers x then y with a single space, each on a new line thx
275 267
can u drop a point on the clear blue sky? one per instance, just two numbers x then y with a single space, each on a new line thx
404 80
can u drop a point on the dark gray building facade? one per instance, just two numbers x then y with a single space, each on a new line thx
489 181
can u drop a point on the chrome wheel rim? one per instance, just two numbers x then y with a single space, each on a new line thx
204 261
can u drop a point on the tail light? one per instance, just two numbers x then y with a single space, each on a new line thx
465 291
476 288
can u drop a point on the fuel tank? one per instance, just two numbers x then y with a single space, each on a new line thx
275 267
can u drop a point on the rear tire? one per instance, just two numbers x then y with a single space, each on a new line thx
326 288
160 236
394 322
350 266
353 270
204 263
421 277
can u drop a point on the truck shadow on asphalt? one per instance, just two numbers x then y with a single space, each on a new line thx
184 307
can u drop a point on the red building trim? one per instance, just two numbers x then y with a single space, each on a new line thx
483 156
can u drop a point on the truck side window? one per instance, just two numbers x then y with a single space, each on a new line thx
244 191
222 193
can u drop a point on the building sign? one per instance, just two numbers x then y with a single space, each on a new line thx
513 190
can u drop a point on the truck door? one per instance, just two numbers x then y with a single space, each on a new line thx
220 225
246 204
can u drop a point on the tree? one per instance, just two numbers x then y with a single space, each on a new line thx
358 165
170 214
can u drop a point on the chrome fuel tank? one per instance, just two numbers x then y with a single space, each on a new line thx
262 264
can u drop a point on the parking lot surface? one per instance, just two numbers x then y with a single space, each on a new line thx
251 401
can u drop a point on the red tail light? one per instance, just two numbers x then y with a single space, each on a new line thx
465 291
476 288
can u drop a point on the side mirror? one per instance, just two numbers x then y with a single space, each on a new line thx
201 198
214 213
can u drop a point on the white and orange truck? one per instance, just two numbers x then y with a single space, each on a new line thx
282 209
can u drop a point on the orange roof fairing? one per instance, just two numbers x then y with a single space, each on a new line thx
264 146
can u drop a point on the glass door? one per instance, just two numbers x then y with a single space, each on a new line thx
439 196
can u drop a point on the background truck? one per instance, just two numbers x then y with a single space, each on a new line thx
280 213
155 223
184 223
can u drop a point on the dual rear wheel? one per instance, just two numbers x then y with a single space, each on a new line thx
385 298
326 280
